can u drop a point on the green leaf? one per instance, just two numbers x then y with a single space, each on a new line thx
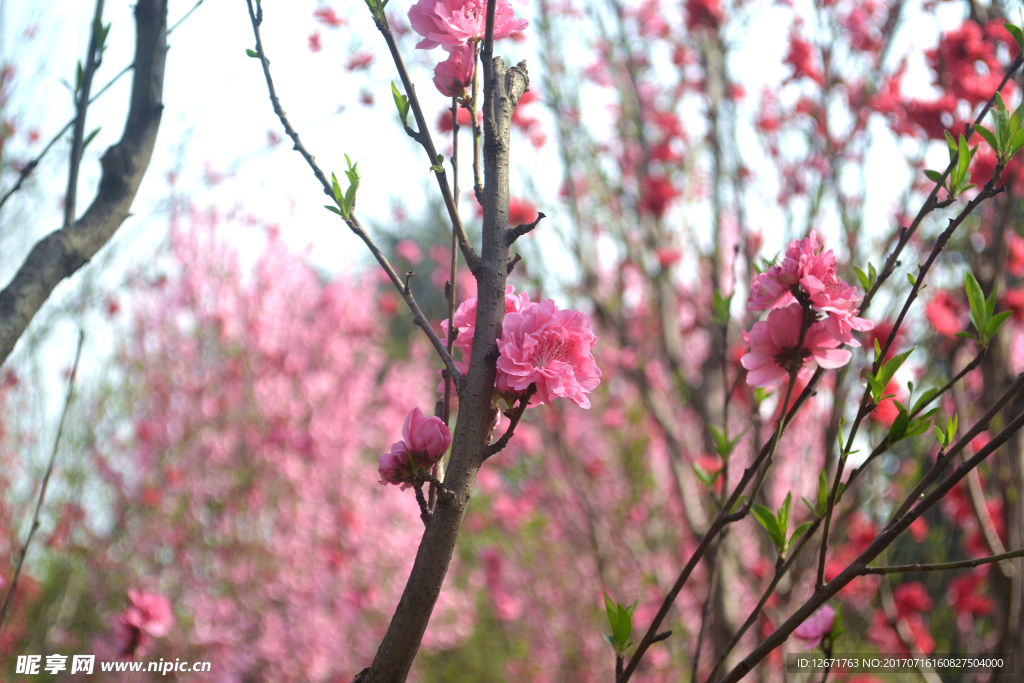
822 493
767 520
979 309
885 374
995 322
613 619
935 177
798 533
1002 119
706 478
923 400
988 137
951 143
89 138
334 209
951 424
871 273
865 281
401 103
1016 143
336 187
898 430
252 53
738 504
963 161
783 516
1017 34
965 335
917 427
912 279
609 640
939 436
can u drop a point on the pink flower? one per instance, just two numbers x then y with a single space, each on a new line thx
425 440
427 437
395 467
773 345
465 321
771 289
817 626
814 271
410 251
454 75
150 613
148 616
550 348
453 23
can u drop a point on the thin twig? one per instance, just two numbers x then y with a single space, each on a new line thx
26 171
449 291
185 16
92 62
524 401
353 223
46 480
721 520
930 203
423 137
942 566
523 228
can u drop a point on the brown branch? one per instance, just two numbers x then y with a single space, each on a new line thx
92 62
523 228
46 480
398 649
61 253
942 566
524 401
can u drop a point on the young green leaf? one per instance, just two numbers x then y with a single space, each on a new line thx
987 135
1017 34
252 53
767 520
979 306
865 281
783 515
798 533
935 177
822 494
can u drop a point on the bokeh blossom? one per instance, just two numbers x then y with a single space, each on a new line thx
817 626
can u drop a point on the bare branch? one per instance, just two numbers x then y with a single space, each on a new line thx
92 62
62 252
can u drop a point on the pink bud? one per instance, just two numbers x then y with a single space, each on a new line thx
427 437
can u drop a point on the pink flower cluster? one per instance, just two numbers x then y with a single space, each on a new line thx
458 26
425 440
539 344
805 277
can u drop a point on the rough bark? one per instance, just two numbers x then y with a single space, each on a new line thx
61 253
398 649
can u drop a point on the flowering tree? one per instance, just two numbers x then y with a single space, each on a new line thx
715 387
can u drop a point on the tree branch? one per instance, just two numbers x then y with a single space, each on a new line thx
92 62
62 252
